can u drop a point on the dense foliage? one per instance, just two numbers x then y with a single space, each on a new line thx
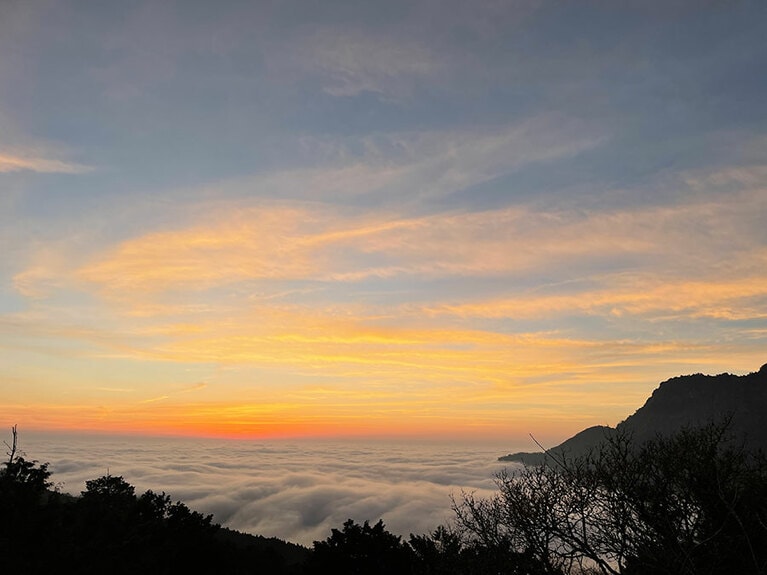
692 503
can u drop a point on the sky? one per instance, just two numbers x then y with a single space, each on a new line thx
426 219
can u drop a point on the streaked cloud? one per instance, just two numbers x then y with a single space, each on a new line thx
15 162
632 296
195 387
288 277
299 241
390 168
351 62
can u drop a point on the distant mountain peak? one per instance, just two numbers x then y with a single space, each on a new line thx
683 401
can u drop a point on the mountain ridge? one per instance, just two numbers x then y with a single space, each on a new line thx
679 402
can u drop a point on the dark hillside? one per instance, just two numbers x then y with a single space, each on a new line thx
578 443
681 402
110 529
693 400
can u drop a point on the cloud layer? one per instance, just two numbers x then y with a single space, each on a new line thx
296 491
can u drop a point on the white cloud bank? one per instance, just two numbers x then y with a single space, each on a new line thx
297 491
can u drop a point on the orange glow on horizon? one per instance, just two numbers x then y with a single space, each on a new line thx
238 422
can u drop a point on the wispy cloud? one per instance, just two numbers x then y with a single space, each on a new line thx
741 298
154 399
249 283
16 162
352 61
299 241
387 169
195 387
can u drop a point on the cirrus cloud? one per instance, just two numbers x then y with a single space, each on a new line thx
18 162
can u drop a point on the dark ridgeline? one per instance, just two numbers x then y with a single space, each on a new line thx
680 487
678 403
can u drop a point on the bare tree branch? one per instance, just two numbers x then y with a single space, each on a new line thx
12 453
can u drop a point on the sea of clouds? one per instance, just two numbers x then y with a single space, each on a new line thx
294 490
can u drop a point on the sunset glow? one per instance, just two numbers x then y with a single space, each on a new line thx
441 222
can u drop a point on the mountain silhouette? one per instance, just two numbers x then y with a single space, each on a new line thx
677 403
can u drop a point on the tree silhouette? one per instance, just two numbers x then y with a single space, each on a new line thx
361 549
686 504
25 507
108 529
19 473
